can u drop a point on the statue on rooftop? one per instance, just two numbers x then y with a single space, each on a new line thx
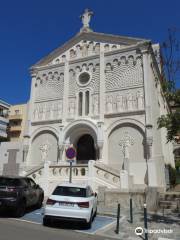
86 17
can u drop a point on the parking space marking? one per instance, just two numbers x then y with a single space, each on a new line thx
99 223
23 220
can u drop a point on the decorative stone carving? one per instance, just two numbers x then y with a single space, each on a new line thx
48 111
130 102
97 48
72 53
119 103
125 143
106 47
40 112
109 104
86 17
44 148
35 113
78 50
91 48
60 108
140 100
72 107
84 49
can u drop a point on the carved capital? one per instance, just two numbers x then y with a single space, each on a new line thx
149 141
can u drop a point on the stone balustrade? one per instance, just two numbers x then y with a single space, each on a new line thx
95 174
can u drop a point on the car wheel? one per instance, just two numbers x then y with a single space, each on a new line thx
40 201
20 210
46 221
89 224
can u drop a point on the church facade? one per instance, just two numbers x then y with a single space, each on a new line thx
101 94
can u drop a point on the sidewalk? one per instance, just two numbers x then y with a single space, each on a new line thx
169 223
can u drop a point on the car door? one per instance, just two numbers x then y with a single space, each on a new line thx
32 191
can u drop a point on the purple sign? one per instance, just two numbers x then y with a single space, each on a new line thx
71 153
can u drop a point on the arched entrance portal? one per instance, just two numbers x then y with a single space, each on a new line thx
85 149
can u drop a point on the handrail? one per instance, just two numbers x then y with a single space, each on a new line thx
67 165
33 170
108 171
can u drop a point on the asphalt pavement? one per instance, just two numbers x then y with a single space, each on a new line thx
20 230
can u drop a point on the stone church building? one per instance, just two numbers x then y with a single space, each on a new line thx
101 94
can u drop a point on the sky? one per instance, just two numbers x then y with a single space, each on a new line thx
31 29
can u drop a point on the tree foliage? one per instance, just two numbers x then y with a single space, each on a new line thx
171 75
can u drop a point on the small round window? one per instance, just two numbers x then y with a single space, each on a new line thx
84 78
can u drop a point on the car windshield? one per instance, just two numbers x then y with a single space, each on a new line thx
9 182
70 191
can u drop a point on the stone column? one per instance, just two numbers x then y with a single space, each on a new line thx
102 82
33 92
147 86
151 164
100 139
66 91
91 173
46 178
61 144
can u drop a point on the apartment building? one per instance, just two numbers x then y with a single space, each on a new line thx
17 116
4 108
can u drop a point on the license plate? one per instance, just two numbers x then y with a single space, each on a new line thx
66 204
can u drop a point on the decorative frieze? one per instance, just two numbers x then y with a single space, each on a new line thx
123 101
85 49
51 110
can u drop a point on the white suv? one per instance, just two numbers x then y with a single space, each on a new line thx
71 202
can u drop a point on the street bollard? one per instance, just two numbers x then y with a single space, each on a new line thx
131 211
145 223
70 174
118 218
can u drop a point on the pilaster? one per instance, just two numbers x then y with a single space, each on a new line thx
66 91
102 83
147 86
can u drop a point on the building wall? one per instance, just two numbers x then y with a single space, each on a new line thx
17 121
125 97
4 107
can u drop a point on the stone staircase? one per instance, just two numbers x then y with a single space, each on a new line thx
169 201
95 174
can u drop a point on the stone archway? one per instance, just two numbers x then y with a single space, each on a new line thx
82 135
85 149
44 137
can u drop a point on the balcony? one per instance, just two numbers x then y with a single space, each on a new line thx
15 129
15 117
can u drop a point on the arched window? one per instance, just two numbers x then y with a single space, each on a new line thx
80 103
87 103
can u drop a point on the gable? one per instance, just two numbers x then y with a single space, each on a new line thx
86 44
